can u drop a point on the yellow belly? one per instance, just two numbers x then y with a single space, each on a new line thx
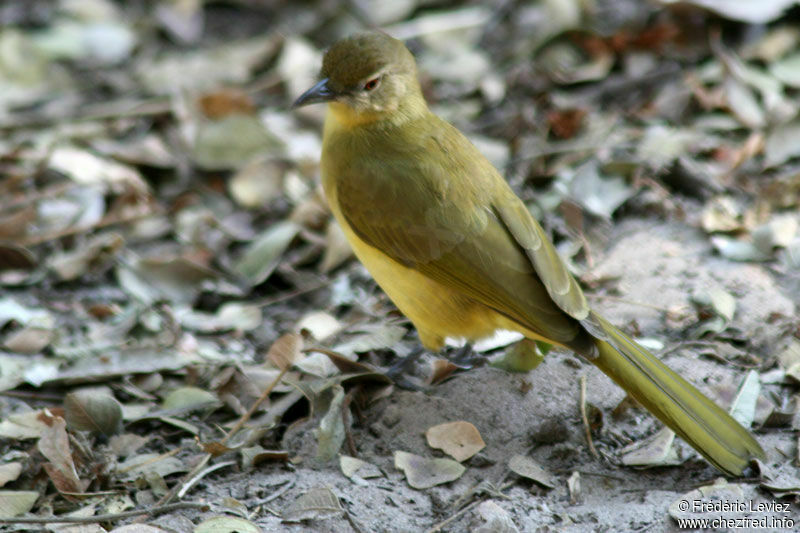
437 311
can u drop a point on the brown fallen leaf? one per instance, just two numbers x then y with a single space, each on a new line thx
460 440
286 350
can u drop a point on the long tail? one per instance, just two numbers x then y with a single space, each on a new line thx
673 400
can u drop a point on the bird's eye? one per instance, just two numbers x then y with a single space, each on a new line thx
371 84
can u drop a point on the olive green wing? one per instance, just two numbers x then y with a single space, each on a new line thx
527 232
436 213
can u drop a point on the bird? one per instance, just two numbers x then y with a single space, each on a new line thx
458 252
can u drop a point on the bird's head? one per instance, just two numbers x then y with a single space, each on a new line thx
367 77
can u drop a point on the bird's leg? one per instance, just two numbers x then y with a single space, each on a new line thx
465 357
398 372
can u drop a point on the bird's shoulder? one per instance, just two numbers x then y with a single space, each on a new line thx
426 156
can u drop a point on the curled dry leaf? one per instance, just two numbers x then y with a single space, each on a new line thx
9 472
235 316
16 502
177 279
528 468
86 168
441 369
255 455
148 464
316 504
264 253
226 524
189 398
320 325
93 410
743 408
96 253
460 440
331 431
496 519
424 473
28 425
375 337
54 445
574 487
353 466
29 340
126 444
337 249
286 350
656 450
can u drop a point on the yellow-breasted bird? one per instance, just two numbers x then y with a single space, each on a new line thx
458 252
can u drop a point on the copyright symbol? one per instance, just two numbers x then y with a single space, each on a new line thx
683 505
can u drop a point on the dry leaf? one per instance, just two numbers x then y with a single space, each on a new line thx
16 502
189 398
460 440
54 445
93 410
656 450
320 325
9 472
424 473
496 519
226 524
441 369
331 431
286 350
524 466
316 504
574 487
353 466
264 253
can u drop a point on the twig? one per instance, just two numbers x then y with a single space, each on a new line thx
112 517
200 475
585 419
291 294
278 493
264 395
32 395
108 220
348 400
149 461
353 523
102 111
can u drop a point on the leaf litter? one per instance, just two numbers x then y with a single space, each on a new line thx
163 237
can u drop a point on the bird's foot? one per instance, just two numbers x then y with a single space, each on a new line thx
399 372
466 357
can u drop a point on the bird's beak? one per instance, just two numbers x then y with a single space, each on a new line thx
317 94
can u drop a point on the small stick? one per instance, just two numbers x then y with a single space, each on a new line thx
112 517
585 419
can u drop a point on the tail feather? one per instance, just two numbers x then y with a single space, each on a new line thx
677 403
